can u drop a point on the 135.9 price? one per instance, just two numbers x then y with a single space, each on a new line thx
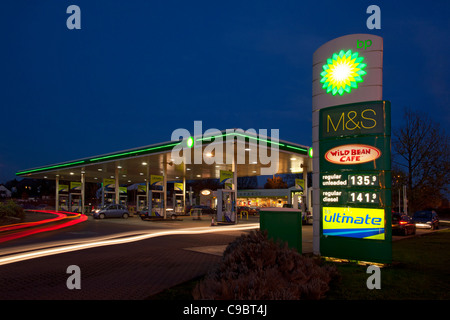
363 180
363 197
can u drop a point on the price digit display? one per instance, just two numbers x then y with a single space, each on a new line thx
363 180
363 197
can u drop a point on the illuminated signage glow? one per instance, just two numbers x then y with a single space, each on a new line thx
342 72
364 223
352 154
190 142
205 192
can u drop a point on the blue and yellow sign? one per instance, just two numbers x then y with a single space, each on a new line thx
362 223
156 180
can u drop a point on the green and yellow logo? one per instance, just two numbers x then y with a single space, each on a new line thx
342 72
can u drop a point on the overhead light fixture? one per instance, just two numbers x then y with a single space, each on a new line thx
100 169
119 167
71 173
141 173
144 163
205 192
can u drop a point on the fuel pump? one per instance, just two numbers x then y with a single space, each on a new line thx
156 207
75 202
109 197
141 198
123 196
178 206
226 205
63 195
141 202
64 202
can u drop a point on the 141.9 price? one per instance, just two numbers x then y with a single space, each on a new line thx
363 197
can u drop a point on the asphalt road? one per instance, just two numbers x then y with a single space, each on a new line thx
133 270
130 270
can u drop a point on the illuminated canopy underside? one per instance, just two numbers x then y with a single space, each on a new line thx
139 163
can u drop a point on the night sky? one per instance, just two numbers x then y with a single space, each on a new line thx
137 70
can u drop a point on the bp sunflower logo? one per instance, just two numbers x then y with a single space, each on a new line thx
342 72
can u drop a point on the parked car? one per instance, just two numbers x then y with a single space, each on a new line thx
156 213
204 209
402 224
111 211
426 219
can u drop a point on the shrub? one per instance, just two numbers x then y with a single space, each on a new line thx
254 267
3 211
11 209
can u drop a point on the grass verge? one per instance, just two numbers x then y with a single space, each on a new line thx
420 271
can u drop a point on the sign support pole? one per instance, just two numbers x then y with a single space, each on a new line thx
57 193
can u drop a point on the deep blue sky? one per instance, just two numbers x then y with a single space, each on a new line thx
137 70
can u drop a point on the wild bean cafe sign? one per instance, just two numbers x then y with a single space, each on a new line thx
352 154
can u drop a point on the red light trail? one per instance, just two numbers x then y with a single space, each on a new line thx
60 215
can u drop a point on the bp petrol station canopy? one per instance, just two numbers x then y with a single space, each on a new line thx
136 165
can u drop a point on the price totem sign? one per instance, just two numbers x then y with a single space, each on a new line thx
355 181
352 168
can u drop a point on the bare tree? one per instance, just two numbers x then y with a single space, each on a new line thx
421 150
275 183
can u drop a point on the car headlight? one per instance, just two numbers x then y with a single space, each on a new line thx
97 211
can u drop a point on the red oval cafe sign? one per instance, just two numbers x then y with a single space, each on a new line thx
352 154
